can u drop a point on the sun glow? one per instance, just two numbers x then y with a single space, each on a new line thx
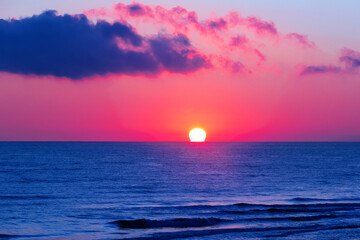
197 135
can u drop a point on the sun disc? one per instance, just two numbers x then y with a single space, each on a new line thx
197 135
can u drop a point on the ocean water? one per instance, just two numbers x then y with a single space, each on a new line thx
192 191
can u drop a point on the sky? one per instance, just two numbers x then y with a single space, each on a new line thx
87 70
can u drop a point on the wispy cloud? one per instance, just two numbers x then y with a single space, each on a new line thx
349 59
301 39
320 69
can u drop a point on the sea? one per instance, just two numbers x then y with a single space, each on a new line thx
179 190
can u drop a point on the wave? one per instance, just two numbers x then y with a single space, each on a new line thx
241 209
245 207
356 204
292 218
312 218
284 231
300 199
29 236
21 197
255 219
173 223
6 236
324 228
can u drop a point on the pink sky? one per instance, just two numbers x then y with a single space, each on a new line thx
239 77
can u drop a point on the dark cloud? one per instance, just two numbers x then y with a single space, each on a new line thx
176 55
136 9
73 47
119 30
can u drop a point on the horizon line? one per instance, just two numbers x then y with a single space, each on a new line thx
110 141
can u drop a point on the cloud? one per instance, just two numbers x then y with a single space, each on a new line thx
229 33
218 24
302 39
136 9
180 19
73 47
261 26
238 41
320 69
70 46
350 59
175 55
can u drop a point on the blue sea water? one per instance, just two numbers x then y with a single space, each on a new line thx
95 190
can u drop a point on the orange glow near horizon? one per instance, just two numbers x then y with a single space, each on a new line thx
197 135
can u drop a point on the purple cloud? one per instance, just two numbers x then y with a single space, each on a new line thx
320 69
136 9
262 26
303 40
176 55
218 24
73 47
350 59
238 41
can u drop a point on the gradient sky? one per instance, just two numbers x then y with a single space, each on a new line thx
146 71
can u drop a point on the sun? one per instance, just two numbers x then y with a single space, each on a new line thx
197 135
